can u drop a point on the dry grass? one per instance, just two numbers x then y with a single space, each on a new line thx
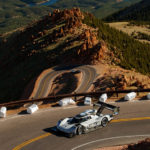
129 29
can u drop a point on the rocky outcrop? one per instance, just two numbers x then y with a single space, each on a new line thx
55 27
91 50
116 78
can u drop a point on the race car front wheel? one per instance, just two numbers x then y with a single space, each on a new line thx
79 130
104 122
70 135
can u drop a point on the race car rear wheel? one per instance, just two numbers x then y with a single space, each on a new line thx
104 122
79 130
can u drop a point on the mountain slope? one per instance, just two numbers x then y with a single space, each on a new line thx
100 8
64 37
15 14
137 12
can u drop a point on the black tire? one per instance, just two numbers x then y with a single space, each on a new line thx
79 130
104 122
70 135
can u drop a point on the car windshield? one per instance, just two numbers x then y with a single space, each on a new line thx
76 120
79 120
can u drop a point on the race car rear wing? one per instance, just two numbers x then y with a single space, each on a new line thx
103 105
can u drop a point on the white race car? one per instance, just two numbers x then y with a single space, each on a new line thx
88 120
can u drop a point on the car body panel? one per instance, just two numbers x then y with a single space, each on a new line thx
89 120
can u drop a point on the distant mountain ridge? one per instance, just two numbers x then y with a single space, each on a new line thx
100 8
18 13
137 12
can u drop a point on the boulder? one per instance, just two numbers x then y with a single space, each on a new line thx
66 101
3 112
103 97
148 96
88 101
130 96
33 108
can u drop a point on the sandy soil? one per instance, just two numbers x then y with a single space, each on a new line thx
123 26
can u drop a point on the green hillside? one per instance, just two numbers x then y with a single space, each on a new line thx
139 12
15 14
100 8
132 53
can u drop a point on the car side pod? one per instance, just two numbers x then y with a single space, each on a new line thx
3 112
33 108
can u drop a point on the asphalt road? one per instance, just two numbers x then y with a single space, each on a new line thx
28 132
88 72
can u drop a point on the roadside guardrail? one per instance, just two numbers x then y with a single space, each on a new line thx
55 98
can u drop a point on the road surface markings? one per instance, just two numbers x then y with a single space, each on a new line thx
48 134
31 141
130 119
111 138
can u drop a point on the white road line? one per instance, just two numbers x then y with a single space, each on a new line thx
111 138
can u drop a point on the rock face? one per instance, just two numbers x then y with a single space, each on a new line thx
54 29
91 50
119 82
90 47
115 78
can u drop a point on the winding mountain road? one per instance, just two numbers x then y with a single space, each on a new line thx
44 85
28 132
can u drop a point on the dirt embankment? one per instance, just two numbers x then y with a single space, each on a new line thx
116 78
65 83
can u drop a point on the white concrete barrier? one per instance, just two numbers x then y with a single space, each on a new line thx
33 108
3 112
103 97
66 101
130 96
148 96
88 101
